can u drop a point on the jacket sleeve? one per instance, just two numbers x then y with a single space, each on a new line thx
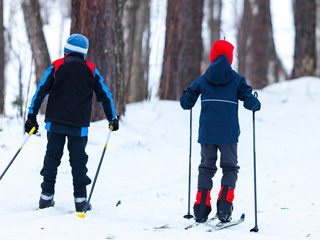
42 91
250 102
104 96
190 95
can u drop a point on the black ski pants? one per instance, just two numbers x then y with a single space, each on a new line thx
77 157
228 163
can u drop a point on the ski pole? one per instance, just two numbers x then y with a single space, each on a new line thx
188 216
82 215
14 157
255 229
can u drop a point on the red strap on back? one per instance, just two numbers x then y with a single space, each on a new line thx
91 66
57 64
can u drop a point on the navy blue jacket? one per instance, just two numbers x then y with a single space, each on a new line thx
70 83
220 88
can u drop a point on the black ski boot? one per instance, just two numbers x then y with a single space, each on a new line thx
82 204
202 206
224 203
46 200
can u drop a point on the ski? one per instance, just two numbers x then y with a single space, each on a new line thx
195 224
222 225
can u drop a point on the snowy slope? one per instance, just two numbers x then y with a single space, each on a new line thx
146 167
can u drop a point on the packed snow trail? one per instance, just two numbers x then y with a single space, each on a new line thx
146 168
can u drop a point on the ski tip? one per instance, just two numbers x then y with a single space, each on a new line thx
243 216
81 215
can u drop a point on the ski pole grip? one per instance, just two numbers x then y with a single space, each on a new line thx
255 94
32 130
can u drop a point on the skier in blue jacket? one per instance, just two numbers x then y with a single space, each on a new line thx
70 83
220 88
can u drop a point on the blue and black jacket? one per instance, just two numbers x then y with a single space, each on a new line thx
70 82
220 88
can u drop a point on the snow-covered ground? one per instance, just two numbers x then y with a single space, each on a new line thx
146 167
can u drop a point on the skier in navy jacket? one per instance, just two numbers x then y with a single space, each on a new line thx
220 88
70 82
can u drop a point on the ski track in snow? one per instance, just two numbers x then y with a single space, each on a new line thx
146 167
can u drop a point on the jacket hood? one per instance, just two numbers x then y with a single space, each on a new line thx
220 71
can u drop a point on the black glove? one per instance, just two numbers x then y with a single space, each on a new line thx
114 123
257 108
30 123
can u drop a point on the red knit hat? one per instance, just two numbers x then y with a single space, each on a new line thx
222 47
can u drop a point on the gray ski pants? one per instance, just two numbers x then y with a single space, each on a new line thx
228 163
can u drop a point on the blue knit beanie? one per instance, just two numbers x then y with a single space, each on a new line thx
77 43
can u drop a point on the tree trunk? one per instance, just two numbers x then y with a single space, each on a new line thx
305 40
212 16
182 54
138 84
40 53
215 19
258 60
265 64
136 37
129 32
260 54
244 45
2 59
100 22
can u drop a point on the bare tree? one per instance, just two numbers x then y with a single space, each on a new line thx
215 19
101 22
212 16
136 54
129 32
40 53
244 38
182 54
18 102
2 59
258 60
305 40
262 36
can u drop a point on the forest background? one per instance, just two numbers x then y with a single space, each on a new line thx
154 48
